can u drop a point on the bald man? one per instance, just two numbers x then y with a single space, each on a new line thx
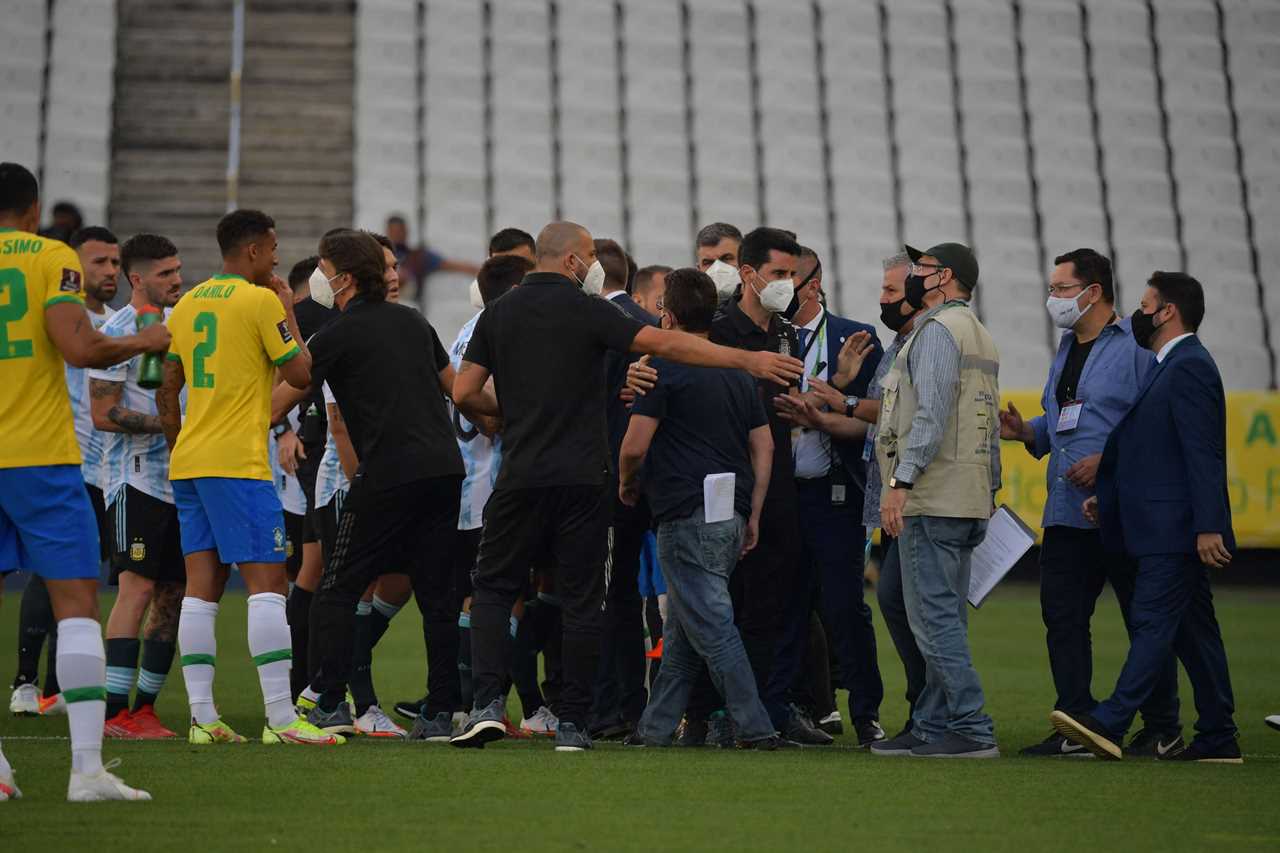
544 344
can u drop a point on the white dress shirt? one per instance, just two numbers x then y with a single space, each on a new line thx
1168 348
810 448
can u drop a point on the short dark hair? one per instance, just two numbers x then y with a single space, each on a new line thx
756 246
92 232
68 208
242 226
19 189
644 276
501 273
632 269
145 247
302 271
614 260
357 253
1183 291
1090 267
383 240
710 235
510 239
397 219
690 299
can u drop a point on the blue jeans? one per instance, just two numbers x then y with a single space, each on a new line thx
697 559
934 554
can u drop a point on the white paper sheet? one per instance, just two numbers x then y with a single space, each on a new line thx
1008 538
717 496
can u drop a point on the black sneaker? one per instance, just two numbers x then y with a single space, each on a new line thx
956 746
1088 732
801 730
437 729
569 739
1055 746
615 730
1153 744
693 733
483 725
335 722
721 731
868 732
897 747
411 709
1226 754
772 743
832 724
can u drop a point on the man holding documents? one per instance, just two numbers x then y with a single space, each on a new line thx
938 446
1093 381
703 436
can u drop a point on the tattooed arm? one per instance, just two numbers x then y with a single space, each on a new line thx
110 416
167 402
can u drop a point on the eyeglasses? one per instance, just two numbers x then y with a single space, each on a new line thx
1061 289
918 268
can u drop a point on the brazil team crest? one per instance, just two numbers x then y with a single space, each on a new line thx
279 538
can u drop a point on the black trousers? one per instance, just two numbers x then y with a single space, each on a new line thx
1074 567
620 684
385 530
520 526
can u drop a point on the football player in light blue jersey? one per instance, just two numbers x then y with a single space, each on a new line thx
146 553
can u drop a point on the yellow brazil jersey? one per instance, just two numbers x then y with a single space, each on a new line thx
35 412
228 334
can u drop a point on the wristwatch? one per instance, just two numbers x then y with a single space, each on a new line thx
280 429
851 403
895 483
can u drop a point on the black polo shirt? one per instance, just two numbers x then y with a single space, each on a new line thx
544 343
733 328
382 362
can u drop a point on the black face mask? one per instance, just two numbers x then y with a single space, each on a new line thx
891 315
916 291
794 307
1144 327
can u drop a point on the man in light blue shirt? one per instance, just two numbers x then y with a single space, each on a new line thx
1095 377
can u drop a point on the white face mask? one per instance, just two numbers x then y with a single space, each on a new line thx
322 291
776 295
725 278
1065 311
477 301
593 284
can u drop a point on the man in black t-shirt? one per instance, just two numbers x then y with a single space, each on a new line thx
389 374
544 344
698 422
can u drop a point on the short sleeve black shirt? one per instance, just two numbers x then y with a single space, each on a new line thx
733 328
706 414
544 343
382 362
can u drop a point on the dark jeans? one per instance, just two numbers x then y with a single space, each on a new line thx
1172 611
697 561
620 685
830 560
520 526
1074 567
394 529
894 612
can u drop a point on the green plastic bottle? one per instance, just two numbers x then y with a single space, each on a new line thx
151 371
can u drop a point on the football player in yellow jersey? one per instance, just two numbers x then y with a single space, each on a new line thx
230 335
46 522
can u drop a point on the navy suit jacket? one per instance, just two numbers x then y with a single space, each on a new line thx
838 331
1163 475
618 416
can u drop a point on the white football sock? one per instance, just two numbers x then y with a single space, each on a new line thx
386 608
5 769
82 673
271 648
198 647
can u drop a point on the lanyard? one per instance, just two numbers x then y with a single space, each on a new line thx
820 332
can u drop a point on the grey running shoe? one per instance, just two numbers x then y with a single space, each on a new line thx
482 726
569 739
335 722
956 746
897 746
437 729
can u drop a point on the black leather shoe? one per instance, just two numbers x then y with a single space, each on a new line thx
802 730
772 743
868 732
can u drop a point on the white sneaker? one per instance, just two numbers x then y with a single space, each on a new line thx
543 722
8 787
1274 721
375 723
25 700
100 786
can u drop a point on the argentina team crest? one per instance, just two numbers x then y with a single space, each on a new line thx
138 552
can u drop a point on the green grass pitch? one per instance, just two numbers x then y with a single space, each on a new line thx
523 796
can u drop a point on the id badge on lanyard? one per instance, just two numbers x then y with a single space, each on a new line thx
1069 416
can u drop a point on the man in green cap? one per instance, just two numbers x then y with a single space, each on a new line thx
938 448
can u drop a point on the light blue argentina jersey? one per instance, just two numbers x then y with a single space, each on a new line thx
481 455
330 479
287 486
140 460
89 439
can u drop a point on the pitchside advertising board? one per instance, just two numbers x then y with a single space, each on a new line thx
1253 466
